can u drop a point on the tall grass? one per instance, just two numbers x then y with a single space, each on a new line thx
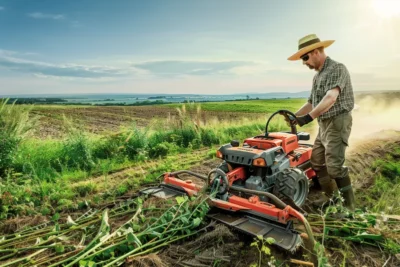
77 151
14 125
45 167
387 180
80 151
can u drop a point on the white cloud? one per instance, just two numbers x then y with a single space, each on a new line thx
7 52
1 8
39 15
15 53
45 70
194 68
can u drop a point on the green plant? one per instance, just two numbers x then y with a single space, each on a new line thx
338 223
85 189
135 142
14 125
89 240
262 246
387 180
77 151
322 258
109 147
159 150
209 137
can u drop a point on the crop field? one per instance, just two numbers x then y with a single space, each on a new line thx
102 120
70 176
267 106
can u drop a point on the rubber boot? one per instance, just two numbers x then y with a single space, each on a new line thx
328 187
346 189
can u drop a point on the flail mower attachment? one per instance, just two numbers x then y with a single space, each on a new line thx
229 206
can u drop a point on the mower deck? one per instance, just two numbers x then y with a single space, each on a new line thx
250 216
285 236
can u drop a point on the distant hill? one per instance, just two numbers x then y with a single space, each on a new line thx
154 96
149 99
301 94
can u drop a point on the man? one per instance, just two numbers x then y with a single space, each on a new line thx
331 102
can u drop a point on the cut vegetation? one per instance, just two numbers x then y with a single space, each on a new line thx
72 201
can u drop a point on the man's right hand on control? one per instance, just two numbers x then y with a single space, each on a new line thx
290 120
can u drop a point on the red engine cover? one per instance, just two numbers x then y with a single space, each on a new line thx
287 141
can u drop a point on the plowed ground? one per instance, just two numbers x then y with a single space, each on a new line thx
224 247
101 120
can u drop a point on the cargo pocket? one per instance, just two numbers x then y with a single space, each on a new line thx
342 124
347 122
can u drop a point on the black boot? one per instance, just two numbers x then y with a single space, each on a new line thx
346 189
328 187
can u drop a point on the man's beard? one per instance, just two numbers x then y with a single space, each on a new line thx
310 67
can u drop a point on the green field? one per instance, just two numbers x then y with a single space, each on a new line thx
63 177
250 106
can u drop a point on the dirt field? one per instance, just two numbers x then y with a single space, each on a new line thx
231 248
106 119
370 141
102 120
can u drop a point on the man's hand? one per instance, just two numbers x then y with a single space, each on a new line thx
290 120
303 120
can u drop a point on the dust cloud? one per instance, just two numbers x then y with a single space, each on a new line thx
376 116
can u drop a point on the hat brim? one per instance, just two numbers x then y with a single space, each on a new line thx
309 48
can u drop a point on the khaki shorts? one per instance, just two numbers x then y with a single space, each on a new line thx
330 145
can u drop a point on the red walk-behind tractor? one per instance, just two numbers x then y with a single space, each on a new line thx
259 187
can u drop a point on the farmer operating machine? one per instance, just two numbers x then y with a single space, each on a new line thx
259 187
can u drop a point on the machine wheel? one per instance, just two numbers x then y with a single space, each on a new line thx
223 167
292 183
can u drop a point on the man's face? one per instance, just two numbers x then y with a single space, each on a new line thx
309 60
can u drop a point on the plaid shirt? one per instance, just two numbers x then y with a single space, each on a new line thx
333 74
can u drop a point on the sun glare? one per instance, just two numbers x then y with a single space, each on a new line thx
386 8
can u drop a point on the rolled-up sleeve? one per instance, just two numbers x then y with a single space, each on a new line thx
338 78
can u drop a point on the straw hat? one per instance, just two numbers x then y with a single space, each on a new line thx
309 43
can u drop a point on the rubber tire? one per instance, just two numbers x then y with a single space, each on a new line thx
292 183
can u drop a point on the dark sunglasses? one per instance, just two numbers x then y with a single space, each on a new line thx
306 56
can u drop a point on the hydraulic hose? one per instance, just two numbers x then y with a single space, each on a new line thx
278 203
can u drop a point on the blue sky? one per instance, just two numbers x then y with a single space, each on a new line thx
188 46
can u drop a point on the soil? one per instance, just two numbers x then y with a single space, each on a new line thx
109 119
234 249
222 246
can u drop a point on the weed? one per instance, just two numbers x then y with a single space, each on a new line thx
160 150
322 259
122 189
262 245
85 189
14 125
135 143
387 179
209 137
77 151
